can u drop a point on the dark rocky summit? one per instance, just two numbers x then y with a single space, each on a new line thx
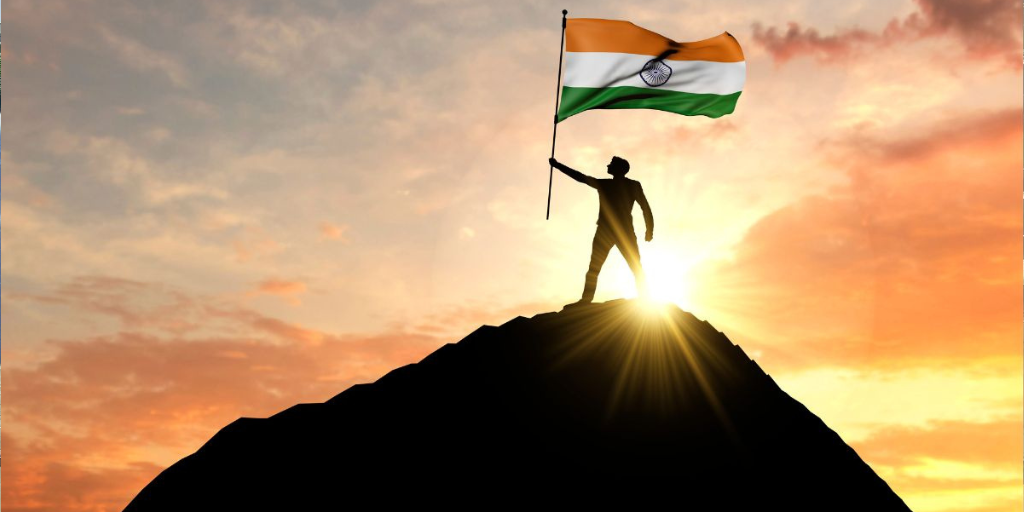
594 405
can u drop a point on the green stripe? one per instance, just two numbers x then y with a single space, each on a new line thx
577 99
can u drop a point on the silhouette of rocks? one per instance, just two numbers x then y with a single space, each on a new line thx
593 405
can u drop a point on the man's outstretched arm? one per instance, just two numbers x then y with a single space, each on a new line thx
573 173
648 215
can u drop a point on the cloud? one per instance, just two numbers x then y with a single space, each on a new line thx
160 309
459 320
130 111
987 29
283 42
116 162
254 243
916 254
994 444
16 186
37 478
288 290
134 304
329 231
143 58
128 405
796 41
92 424
976 463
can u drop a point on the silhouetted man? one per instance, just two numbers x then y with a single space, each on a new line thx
614 222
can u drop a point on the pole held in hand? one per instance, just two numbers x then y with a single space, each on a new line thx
554 129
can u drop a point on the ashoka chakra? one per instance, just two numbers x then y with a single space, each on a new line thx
655 73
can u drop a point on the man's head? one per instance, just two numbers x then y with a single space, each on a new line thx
618 166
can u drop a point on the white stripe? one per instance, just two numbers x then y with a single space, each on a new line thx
599 69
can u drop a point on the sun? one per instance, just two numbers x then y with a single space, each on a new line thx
666 277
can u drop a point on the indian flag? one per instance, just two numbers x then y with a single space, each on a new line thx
616 64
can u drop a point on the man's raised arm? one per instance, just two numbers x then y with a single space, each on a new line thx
648 215
573 173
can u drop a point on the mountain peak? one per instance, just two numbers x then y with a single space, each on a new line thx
608 389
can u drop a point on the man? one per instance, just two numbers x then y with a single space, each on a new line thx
614 222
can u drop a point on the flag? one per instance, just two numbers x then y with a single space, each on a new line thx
616 64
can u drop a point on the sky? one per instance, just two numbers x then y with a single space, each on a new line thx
214 210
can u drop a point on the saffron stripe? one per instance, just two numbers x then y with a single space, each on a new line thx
613 36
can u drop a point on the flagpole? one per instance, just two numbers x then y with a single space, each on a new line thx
554 129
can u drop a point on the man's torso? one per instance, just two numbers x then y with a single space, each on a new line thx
617 197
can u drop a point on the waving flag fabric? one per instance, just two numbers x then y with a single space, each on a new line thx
616 64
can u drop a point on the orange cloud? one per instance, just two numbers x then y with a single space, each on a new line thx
987 29
330 231
996 443
289 290
915 259
90 426
983 457
38 479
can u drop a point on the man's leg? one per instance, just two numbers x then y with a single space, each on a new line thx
631 252
603 242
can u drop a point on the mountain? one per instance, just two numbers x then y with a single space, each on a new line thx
595 405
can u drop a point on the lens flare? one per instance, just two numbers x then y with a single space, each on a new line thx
666 278
653 340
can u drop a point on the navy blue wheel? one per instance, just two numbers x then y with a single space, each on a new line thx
655 73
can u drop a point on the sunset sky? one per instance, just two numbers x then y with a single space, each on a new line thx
213 210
